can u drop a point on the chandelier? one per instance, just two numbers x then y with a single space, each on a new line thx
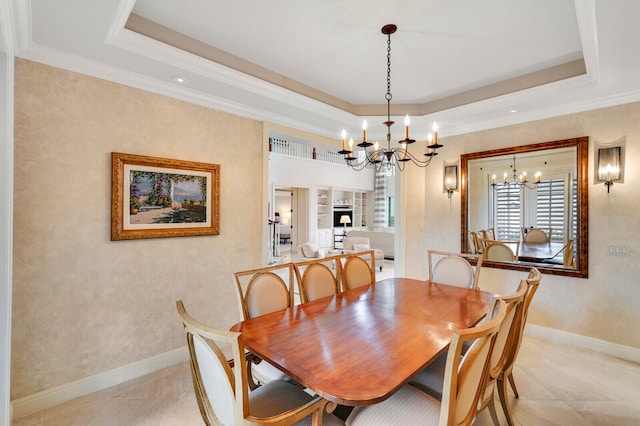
517 180
389 157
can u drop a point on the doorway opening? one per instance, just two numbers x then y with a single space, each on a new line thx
291 214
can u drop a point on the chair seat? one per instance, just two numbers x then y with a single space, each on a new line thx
431 378
408 406
278 396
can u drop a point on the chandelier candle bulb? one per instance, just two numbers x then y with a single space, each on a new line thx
505 177
364 130
406 127
537 177
344 140
435 132
493 180
350 147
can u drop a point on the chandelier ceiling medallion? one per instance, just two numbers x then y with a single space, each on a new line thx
389 157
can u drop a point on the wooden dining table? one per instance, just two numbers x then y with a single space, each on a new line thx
538 252
360 346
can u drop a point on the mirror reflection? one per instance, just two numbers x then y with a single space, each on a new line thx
526 206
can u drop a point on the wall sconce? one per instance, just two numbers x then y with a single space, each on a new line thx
450 178
610 165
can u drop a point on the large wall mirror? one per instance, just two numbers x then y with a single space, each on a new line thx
527 206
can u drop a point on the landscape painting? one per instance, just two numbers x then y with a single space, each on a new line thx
156 197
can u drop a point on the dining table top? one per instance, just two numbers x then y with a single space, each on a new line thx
360 346
539 251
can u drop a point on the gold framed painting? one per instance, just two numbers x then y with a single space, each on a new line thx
159 197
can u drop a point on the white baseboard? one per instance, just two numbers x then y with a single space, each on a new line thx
51 397
614 349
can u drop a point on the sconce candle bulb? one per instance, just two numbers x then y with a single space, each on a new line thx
609 172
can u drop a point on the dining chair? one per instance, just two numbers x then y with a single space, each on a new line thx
476 242
568 258
430 379
501 251
318 278
221 385
535 235
454 268
532 283
463 383
356 271
488 234
262 291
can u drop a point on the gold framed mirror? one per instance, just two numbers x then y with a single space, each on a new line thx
507 193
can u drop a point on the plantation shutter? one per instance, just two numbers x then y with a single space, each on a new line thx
551 207
508 213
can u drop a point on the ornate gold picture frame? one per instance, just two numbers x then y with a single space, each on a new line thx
159 197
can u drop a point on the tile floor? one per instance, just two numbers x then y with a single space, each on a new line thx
559 385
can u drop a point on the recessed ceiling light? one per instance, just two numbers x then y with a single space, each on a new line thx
179 80
513 110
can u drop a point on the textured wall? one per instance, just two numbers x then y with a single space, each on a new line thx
83 304
604 306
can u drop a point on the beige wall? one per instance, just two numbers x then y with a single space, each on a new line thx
83 304
604 306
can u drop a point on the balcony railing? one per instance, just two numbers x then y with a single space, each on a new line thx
310 150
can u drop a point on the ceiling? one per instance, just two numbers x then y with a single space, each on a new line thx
321 66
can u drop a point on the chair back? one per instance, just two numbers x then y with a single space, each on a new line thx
220 391
476 242
356 271
500 251
508 329
264 290
317 278
454 268
569 260
532 282
535 235
464 377
488 234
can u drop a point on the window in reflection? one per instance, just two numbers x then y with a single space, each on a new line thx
551 205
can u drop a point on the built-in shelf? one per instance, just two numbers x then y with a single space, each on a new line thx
353 203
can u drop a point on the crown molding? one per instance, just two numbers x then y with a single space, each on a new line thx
586 18
22 28
133 42
63 60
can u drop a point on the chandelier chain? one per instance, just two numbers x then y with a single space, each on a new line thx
388 96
